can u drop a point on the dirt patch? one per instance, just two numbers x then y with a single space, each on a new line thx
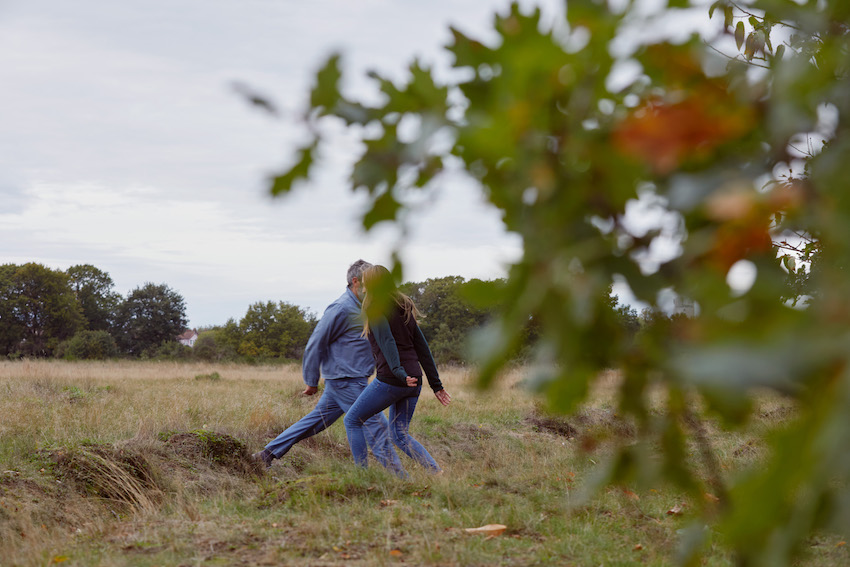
555 425
604 421
749 449
779 414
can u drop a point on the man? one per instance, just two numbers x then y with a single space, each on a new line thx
338 353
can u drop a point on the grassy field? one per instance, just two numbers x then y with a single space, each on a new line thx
130 463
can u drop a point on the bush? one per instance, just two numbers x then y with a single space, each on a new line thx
211 346
168 350
88 345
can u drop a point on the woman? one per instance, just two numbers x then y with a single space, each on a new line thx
399 349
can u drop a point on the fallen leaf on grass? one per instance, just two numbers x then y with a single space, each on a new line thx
631 495
396 552
841 544
637 547
488 530
711 497
676 510
388 502
59 559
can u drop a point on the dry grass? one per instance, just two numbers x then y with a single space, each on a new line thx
143 464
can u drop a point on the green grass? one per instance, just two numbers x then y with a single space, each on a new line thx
146 465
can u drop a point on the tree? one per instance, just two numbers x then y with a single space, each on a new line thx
93 289
448 316
275 330
559 149
11 328
150 315
39 309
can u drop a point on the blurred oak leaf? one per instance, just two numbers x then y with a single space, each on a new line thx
631 495
731 204
685 127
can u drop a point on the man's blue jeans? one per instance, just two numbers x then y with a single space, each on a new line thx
337 398
402 403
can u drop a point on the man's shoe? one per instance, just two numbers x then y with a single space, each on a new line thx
265 456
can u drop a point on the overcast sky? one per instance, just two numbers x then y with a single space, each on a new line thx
124 145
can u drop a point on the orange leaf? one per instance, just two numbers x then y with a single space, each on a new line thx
631 495
665 134
637 547
396 552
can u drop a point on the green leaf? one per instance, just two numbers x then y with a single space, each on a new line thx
739 34
728 16
383 208
325 94
750 48
468 52
790 263
780 51
300 170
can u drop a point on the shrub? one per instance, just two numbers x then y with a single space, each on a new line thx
89 345
212 347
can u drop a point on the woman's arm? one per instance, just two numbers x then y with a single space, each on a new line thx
423 352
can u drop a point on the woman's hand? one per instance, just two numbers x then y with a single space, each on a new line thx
412 381
444 397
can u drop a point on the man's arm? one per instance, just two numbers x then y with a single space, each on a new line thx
316 351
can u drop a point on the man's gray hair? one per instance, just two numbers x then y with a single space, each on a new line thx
356 271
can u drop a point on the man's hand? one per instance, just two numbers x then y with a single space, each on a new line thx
444 397
412 381
309 391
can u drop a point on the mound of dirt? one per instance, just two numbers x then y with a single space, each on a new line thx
218 449
122 475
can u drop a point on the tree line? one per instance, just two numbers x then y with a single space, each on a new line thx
77 314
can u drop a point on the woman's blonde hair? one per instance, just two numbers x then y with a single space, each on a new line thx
381 295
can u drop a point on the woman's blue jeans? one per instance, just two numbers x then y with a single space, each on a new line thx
402 403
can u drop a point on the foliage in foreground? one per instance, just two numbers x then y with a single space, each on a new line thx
561 140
